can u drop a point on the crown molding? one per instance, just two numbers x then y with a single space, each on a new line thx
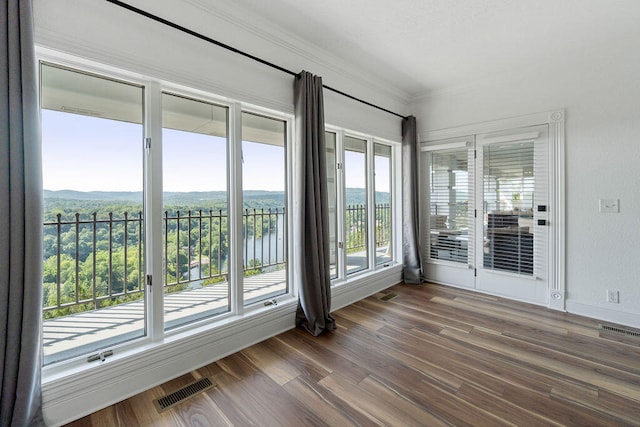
248 21
83 54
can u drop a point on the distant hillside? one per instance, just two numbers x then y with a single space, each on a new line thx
125 196
252 198
357 196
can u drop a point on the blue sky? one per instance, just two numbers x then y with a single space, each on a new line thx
86 153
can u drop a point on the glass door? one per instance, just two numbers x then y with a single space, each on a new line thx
486 212
448 172
512 225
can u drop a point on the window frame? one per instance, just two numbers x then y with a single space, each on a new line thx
152 126
288 197
344 279
157 339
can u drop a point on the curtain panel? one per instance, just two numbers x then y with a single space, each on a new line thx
311 239
20 220
411 254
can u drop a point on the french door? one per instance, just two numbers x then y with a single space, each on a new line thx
487 210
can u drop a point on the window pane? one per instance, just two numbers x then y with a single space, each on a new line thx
332 191
92 164
449 202
355 179
196 228
264 217
382 165
508 184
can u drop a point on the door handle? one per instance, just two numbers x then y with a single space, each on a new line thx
542 222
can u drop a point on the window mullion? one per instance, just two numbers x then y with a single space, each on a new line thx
371 203
153 209
236 272
340 206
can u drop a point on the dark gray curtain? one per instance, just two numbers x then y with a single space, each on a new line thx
411 257
20 220
311 238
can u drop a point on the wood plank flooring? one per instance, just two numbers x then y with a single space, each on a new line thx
431 356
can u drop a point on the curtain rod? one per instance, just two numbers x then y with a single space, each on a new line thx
237 51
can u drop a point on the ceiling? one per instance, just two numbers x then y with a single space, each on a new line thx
421 46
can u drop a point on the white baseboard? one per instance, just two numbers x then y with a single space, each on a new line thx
603 313
69 397
364 286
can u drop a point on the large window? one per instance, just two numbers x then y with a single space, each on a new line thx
195 212
217 232
264 217
94 251
167 212
383 208
361 208
332 195
356 212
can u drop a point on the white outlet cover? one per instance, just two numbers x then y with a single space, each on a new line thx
613 296
609 205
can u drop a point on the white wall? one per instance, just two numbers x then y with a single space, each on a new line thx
601 98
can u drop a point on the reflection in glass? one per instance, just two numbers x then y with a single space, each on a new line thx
508 186
332 191
94 253
264 217
195 213
355 217
382 186
449 221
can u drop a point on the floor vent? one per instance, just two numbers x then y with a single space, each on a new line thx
179 396
388 297
629 332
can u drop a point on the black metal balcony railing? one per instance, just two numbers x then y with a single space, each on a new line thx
356 226
92 263
383 224
200 244
86 274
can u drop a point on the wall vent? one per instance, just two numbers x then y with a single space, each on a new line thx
180 395
388 297
630 332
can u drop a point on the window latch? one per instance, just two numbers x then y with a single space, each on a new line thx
101 355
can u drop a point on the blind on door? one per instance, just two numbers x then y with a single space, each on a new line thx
450 201
509 189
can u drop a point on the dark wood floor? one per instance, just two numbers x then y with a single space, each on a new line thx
431 356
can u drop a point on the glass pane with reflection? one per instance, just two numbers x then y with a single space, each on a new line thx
383 219
264 210
332 192
355 215
94 252
195 210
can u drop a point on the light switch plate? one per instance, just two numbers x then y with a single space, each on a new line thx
609 205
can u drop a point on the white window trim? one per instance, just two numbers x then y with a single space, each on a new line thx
396 186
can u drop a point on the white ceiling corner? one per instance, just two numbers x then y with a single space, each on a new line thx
414 47
252 21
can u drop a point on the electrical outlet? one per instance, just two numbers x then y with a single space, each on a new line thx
613 296
609 205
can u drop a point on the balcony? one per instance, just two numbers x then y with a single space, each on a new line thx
94 276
